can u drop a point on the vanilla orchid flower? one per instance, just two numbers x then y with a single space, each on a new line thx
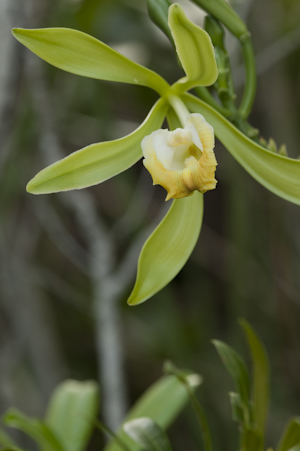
182 160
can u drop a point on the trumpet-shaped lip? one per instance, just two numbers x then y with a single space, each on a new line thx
182 160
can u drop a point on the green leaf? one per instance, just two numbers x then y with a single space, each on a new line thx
148 434
71 411
236 367
279 174
98 162
5 439
261 378
34 428
251 440
81 54
195 51
291 435
162 403
168 248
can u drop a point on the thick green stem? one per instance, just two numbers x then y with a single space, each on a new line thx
205 95
250 86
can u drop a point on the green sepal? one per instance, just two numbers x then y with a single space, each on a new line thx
278 173
194 49
34 428
147 434
261 377
290 436
81 54
98 162
72 409
162 403
168 248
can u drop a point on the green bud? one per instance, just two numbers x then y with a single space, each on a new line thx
272 146
158 12
283 150
215 31
223 12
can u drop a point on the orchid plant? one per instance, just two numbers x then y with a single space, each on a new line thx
181 159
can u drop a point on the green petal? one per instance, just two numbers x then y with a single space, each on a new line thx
72 410
195 51
168 248
278 173
98 162
81 54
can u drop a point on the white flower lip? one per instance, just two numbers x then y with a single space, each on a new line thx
182 160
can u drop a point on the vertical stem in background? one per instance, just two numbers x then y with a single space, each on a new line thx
110 360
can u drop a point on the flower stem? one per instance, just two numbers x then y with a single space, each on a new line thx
179 107
250 87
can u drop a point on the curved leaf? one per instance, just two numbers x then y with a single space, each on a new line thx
98 162
81 54
291 435
261 377
168 248
72 409
35 429
162 402
236 366
278 173
195 51
148 434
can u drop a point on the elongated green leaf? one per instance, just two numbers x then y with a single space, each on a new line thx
98 162
168 248
279 174
195 51
252 440
148 434
72 409
236 367
81 54
290 436
162 403
261 378
5 439
35 429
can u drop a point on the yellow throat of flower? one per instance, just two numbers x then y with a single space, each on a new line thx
182 160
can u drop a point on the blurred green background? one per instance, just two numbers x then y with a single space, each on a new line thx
55 250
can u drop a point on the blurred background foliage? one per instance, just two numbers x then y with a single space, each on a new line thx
247 260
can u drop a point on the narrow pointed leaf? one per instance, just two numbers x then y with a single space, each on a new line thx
261 379
81 54
278 173
290 436
71 412
168 248
162 403
98 162
236 367
35 429
147 434
252 440
158 13
195 51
